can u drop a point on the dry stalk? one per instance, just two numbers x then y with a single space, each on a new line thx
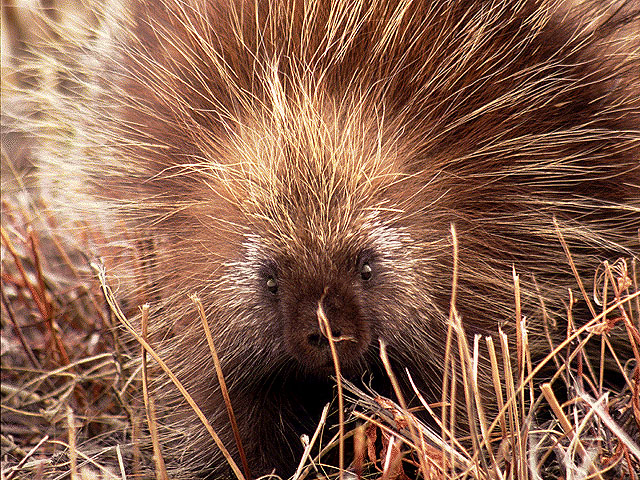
161 471
125 322
325 329
223 385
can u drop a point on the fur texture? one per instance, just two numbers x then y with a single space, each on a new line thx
264 154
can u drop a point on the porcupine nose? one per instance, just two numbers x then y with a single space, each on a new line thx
320 341
308 335
340 313
324 321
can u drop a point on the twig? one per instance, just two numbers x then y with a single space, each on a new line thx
325 328
29 454
223 386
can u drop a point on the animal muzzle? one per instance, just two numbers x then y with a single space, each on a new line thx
328 329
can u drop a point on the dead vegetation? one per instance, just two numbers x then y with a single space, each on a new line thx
75 405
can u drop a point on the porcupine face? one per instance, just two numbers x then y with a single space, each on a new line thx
350 283
315 240
342 284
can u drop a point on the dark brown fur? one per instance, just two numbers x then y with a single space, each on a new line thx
302 140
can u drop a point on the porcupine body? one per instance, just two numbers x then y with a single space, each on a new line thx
270 155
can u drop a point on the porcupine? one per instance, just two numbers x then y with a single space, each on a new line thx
271 155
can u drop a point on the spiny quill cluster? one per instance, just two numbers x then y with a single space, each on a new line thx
271 155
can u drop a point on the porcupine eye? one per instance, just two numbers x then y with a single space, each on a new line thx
365 272
268 273
364 267
272 285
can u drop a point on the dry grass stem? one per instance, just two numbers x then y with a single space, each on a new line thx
149 350
325 329
307 449
223 385
150 408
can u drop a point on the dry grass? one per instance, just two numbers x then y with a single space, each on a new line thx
67 385
72 390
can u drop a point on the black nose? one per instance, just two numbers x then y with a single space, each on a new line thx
318 340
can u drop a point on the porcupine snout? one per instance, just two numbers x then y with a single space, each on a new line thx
304 329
